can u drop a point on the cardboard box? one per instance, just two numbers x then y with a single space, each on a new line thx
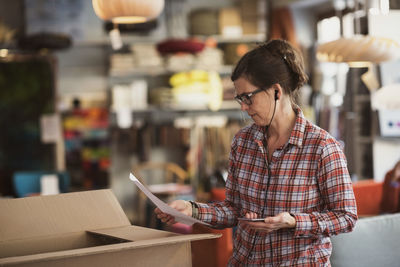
230 23
249 8
250 25
84 229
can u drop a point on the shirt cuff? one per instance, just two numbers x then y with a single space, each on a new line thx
195 210
306 225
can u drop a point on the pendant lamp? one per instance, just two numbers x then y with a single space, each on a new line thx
359 51
128 11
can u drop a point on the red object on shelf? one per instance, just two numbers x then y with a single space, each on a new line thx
180 45
105 163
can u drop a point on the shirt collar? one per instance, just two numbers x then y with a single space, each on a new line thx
297 135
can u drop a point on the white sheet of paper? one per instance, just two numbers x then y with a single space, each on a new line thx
50 127
179 217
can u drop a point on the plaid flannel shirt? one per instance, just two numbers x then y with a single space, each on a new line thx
308 178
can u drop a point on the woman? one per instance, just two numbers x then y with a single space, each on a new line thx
283 169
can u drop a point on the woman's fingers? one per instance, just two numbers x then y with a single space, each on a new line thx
282 220
166 218
251 215
176 204
181 205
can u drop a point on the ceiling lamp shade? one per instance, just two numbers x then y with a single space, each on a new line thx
128 11
359 51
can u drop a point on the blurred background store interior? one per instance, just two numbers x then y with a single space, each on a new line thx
91 101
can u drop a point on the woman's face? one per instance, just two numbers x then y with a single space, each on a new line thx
262 106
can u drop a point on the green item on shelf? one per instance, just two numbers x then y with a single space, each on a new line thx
204 22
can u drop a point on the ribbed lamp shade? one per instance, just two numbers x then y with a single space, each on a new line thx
359 50
128 11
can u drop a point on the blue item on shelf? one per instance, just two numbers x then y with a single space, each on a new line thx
28 182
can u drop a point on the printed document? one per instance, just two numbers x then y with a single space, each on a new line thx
179 217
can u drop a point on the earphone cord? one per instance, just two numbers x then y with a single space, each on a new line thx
269 167
265 143
269 124
269 174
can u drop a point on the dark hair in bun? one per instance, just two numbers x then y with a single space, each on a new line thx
275 61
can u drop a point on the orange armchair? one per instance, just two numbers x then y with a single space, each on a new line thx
213 252
368 194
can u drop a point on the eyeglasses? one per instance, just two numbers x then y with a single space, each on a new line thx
246 97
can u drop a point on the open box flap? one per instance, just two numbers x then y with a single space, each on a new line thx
142 236
37 217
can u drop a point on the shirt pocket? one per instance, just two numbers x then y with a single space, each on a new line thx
296 192
251 184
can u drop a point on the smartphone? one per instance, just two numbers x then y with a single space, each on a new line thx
251 220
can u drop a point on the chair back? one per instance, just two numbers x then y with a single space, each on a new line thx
374 241
160 172
156 173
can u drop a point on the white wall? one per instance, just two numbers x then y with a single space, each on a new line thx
82 73
304 21
386 155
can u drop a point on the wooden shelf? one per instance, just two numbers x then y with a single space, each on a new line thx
248 38
160 70
156 115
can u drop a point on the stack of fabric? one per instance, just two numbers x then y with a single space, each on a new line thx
197 89
146 56
120 63
180 53
211 58
203 22
161 97
180 62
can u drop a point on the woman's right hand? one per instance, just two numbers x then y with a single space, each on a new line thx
180 205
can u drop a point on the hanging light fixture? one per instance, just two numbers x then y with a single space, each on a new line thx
359 50
128 11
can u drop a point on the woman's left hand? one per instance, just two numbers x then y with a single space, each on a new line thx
282 220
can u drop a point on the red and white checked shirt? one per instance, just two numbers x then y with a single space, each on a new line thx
308 178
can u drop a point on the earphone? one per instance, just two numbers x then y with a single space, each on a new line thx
276 95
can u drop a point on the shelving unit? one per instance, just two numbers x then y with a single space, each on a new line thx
247 38
364 138
360 119
118 76
155 115
158 76
189 147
